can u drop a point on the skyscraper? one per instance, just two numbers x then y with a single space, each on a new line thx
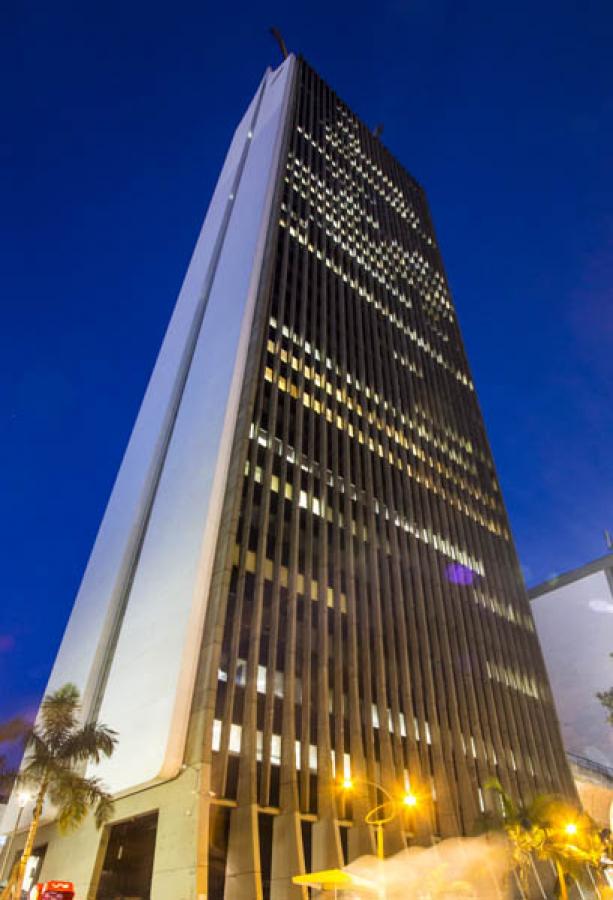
305 570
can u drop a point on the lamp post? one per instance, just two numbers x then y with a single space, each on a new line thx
378 816
383 813
22 799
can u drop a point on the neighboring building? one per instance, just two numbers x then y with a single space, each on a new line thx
574 619
305 568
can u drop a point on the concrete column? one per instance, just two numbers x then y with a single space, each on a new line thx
360 841
421 827
243 869
174 863
393 838
202 836
361 838
287 858
327 852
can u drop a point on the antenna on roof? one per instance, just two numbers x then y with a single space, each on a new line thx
378 130
279 39
607 539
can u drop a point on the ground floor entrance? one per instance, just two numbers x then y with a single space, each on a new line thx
128 862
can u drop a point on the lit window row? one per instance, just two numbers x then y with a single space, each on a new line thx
235 740
361 289
354 405
319 356
392 317
519 681
359 162
351 126
504 610
425 535
278 682
376 447
315 506
278 679
490 755
370 393
483 599
274 750
266 572
397 437
345 206
341 218
446 429
365 254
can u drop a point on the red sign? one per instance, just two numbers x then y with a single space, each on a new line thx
57 890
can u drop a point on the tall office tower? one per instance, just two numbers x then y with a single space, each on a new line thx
305 570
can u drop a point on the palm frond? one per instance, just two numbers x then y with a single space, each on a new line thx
73 808
36 772
37 747
74 795
104 809
89 743
37 759
508 806
540 830
59 714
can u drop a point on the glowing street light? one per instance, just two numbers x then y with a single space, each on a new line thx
571 829
382 813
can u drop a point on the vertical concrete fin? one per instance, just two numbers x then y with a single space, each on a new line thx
327 852
244 873
287 858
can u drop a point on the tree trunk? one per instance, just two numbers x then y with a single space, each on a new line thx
29 846
561 881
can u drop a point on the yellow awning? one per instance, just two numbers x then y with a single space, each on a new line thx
330 879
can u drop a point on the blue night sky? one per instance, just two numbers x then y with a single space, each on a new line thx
115 120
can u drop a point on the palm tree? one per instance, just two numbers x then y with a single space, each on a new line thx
57 749
550 828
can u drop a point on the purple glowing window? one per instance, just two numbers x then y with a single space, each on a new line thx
459 574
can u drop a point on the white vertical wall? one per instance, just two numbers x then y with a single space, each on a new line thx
150 681
575 627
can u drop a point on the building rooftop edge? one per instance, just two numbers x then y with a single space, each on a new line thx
551 584
300 57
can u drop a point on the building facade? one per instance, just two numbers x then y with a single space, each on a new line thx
574 619
305 572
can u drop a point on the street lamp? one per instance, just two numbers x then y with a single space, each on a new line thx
382 813
23 797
